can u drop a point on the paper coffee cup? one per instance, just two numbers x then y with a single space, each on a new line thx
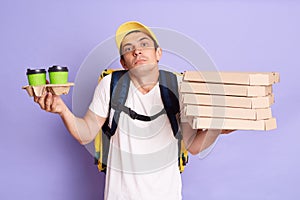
36 77
58 74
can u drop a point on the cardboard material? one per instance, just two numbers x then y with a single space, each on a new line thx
227 112
56 89
229 101
241 78
223 89
234 124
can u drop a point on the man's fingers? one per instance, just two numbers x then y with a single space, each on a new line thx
225 131
55 107
41 100
35 99
48 102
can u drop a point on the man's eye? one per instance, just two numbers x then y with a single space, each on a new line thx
144 44
127 49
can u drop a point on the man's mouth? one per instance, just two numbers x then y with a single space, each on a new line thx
139 61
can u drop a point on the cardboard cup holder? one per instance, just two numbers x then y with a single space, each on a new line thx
56 89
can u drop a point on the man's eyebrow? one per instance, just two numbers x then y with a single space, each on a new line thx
141 39
126 44
144 38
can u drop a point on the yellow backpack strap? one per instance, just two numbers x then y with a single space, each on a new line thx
98 138
104 73
184 157
98 151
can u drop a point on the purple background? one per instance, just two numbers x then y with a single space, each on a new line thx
40 160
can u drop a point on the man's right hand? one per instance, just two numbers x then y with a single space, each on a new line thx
51 103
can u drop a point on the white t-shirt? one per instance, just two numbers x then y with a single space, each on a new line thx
143 156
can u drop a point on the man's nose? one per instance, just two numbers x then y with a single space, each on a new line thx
137 51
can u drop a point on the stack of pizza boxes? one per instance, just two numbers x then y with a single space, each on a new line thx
229 100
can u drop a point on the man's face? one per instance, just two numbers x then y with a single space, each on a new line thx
138 49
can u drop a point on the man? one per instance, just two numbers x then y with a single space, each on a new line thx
142 162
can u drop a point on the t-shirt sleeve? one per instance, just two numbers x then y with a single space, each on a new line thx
100 102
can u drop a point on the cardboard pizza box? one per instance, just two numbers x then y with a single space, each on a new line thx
240 78
224 89
228 101
234 124
227 112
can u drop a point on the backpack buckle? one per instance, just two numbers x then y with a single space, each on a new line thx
133 114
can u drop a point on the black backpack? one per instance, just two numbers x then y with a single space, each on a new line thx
119 86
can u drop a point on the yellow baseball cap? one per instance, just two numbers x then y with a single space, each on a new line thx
129 26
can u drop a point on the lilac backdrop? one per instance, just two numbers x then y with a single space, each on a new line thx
40 160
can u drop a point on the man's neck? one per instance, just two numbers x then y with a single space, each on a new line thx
144 78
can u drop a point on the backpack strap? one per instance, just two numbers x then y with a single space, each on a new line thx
169 94
118 94
131 113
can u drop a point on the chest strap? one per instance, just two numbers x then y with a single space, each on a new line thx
133 115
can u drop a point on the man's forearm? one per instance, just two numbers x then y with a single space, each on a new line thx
205 138
201 139
77 127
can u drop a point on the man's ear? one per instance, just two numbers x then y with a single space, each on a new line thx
158 53
123 63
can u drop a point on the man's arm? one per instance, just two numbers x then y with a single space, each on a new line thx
84 130
198 140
